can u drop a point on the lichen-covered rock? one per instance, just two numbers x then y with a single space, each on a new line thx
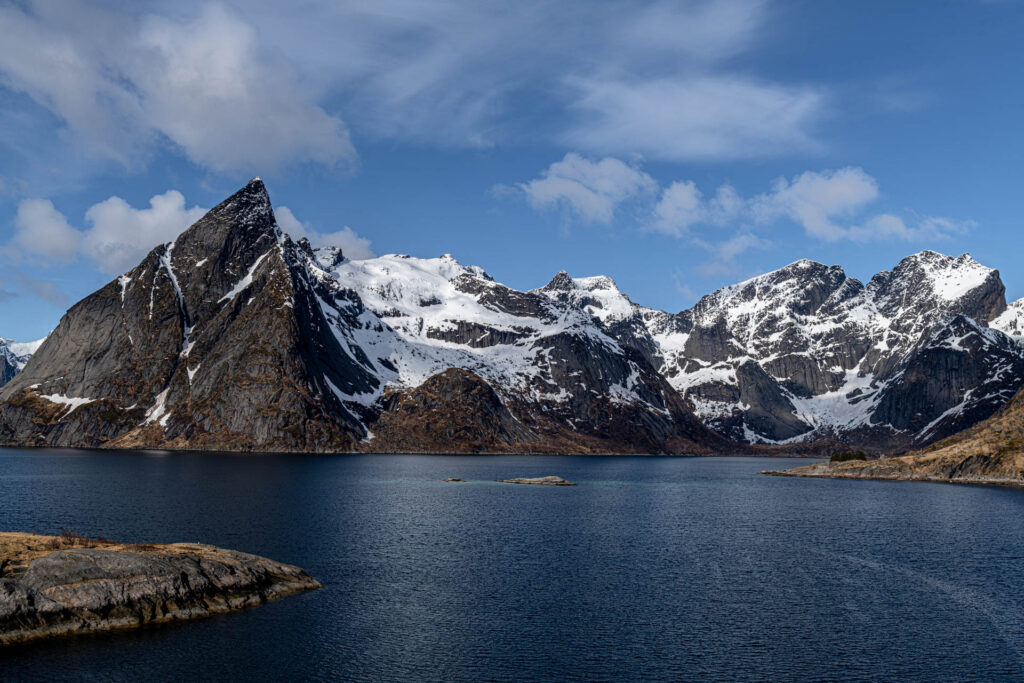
89 589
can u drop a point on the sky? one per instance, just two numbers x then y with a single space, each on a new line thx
676 147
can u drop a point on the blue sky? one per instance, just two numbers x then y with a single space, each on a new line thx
676 147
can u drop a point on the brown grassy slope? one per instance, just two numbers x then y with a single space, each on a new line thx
991 451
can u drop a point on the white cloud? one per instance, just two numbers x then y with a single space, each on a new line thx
42 230
725 252
686 118
680 207
121 86
351 244
264 85
828 205
121 235
816 200
592 190
204 85
888 226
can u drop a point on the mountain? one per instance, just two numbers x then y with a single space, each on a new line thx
807 353
236 337
13 357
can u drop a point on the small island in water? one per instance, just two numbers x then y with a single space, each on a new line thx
538 481
69 584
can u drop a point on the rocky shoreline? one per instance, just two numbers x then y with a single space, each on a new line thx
54 586
825 471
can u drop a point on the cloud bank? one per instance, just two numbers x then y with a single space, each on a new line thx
257 85
829 206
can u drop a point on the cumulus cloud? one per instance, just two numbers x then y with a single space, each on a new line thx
828 205
351 244
120 235
816 200
43 231
117 238
121 86
591 190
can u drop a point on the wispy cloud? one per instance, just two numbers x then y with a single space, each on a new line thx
266 85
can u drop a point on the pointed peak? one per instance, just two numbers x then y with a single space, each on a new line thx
561 282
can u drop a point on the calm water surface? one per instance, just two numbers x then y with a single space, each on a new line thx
653 568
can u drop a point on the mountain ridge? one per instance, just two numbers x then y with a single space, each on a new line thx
354 355
235 337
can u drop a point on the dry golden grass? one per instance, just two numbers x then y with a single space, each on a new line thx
18 549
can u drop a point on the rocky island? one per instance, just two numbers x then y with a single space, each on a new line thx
538 481
63 585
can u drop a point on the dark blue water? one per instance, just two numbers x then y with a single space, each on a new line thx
653 568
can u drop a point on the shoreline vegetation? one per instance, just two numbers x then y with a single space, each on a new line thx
54 586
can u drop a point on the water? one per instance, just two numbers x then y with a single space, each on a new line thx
652 568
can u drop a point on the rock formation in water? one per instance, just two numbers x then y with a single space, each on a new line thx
47 591
538 481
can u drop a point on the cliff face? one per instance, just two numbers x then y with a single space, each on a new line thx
210 342
235 337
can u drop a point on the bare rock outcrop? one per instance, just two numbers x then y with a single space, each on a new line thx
81 589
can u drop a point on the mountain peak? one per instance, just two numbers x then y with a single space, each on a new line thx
950 277
561 282
596 282
797 270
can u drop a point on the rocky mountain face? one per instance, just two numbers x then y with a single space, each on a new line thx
236 337
806 353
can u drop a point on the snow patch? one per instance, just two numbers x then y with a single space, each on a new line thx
244 283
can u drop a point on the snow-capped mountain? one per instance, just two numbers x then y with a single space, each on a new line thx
13 357
235 336
806 352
